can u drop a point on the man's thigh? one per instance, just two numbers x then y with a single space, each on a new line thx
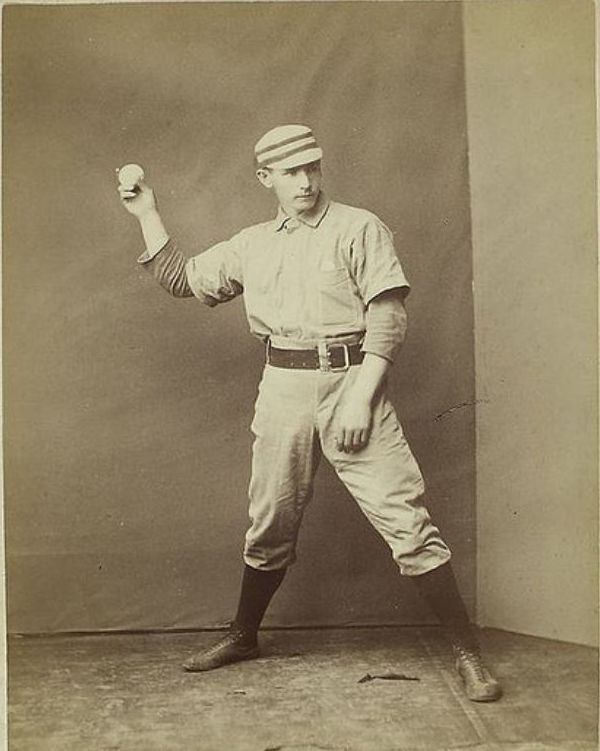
284 460
385 480
384 473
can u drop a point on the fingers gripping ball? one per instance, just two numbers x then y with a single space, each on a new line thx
130 176
135 194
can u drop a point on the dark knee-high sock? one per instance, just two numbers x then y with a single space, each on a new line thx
258 588
439 589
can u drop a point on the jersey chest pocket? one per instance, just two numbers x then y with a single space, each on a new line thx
337 300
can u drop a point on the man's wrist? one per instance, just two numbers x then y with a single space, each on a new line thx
361 396
369 380
150 214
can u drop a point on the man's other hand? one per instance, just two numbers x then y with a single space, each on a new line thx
353 425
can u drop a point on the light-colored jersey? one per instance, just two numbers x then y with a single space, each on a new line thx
302 279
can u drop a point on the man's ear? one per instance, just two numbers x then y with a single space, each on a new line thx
264 177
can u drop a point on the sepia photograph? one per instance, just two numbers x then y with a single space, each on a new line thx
300 375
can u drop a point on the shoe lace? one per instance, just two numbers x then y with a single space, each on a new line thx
227 639
471 661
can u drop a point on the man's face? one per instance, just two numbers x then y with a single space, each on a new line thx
296 188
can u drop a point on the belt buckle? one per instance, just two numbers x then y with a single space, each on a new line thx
339 368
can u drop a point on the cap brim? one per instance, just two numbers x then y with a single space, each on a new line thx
297 160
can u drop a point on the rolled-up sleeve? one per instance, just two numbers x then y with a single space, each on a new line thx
167 266
376 267
216 276
386 325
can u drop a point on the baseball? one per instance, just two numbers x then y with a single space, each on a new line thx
130 175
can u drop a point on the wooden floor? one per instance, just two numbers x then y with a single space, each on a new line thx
128 693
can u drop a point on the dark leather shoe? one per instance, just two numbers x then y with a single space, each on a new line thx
235 646
479 683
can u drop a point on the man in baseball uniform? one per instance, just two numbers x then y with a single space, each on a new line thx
324 290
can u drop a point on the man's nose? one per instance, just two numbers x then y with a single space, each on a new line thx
303 179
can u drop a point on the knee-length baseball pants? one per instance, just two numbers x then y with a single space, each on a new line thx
294 425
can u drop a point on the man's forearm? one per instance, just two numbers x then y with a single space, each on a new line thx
371 375
386 328
153 230
161 257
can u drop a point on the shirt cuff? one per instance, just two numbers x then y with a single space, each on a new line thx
399 283
148 255
384 351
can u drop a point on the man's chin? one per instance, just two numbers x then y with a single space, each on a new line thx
306 203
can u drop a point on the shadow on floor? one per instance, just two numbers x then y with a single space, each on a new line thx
128 693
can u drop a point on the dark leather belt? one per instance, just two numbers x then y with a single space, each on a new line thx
327 357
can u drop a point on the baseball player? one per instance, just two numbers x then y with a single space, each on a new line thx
324 290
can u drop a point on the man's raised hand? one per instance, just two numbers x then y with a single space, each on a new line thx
137 197
138 200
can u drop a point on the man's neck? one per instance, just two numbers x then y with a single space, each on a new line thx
293 213
304 213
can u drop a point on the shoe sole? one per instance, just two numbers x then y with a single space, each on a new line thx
486 699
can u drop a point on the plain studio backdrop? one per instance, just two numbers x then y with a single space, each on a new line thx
127 412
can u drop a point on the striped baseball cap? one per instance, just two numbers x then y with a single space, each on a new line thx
287 146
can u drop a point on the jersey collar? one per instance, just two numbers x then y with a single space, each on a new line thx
312 218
